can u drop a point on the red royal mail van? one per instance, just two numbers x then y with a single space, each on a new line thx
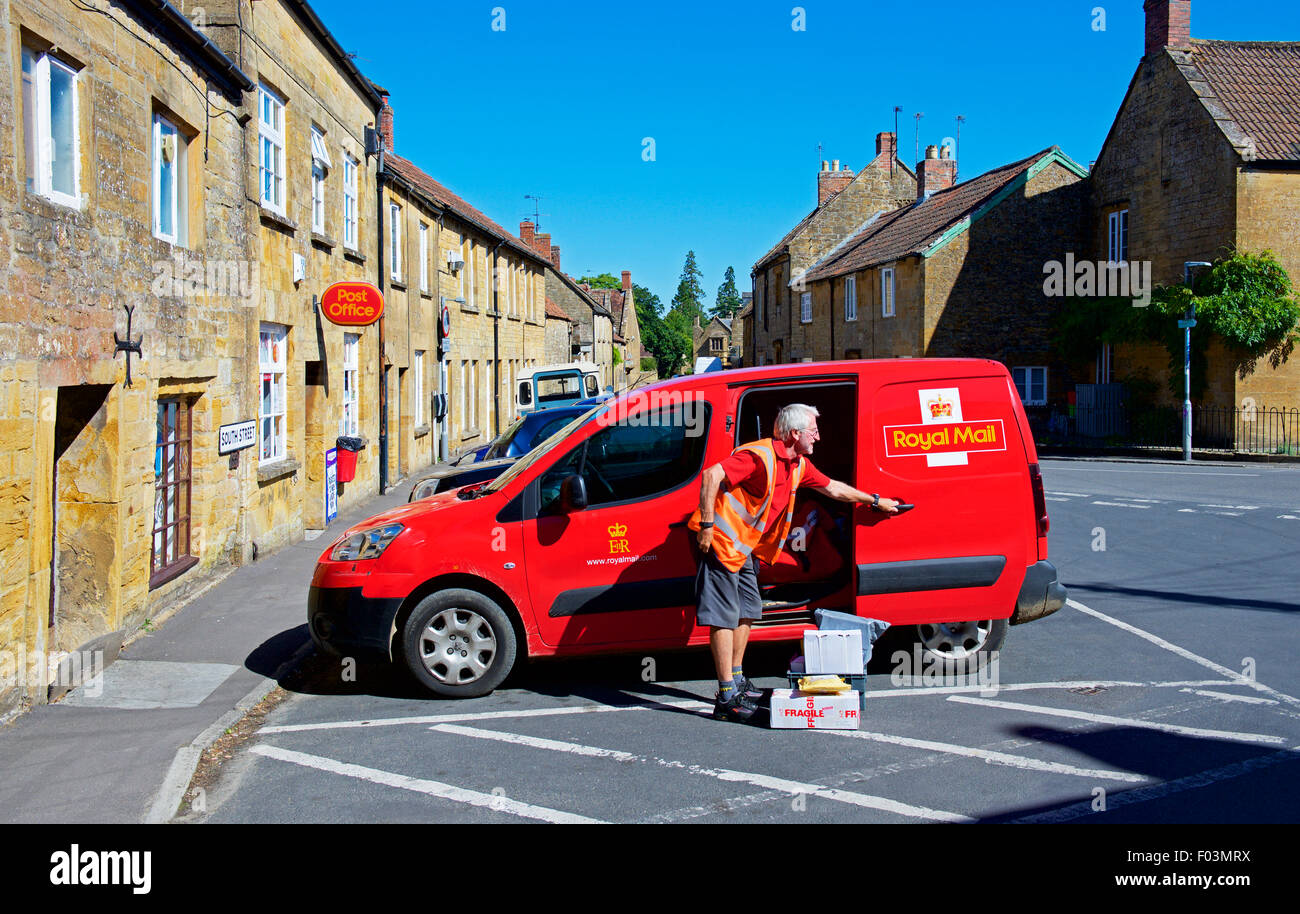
582 546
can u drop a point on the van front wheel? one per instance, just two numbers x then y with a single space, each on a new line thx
459 643
952 642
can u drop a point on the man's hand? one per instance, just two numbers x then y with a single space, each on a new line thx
704 538
887 505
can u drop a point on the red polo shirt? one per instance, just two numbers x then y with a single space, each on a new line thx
746 470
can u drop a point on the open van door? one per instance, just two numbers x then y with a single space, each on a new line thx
951 446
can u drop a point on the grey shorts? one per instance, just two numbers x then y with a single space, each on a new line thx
725 597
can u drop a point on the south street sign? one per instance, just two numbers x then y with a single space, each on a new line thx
236 437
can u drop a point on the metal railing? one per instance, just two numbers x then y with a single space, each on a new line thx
1250 430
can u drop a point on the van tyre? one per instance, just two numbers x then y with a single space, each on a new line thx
961 646
459 643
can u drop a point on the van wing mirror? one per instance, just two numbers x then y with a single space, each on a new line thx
573 493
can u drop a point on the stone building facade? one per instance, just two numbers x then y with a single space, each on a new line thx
958 273
1203 157
625 332
123 186
846 203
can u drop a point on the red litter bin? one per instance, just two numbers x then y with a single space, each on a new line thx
347 457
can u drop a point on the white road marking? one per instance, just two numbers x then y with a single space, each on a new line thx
1248 699
1071 494
1060 469
1153 501
993 757
429 788
1287 517
1232 507
1050 498
1121 721
794 788
1164 789
921 689
1235 677
687 704
1120 504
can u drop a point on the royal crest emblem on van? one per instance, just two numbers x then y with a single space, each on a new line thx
944 437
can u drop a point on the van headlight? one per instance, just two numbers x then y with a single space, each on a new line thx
424 490
366 544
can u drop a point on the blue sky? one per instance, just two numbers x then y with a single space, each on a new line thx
736 100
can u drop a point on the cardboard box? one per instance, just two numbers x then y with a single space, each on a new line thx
793 710
833 652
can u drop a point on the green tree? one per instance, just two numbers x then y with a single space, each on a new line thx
679 337
690 294
1246 300
729 300
603 281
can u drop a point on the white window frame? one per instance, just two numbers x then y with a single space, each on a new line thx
41 169
1117 237
320 166
350 201
1023 377
888 289
424 257
350 420
395 241
271 131
277 367
418 392
464 268
805 307
464 396
178 206
851 298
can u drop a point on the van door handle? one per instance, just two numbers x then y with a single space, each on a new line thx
680 523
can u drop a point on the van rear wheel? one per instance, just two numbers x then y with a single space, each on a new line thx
459 643
961 642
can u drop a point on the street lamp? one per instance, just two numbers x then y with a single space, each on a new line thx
1187 323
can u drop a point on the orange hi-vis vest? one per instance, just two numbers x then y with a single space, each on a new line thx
741 519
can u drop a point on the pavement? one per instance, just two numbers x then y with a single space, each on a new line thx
124 752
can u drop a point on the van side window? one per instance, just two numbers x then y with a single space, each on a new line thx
525 393
592 390
632 461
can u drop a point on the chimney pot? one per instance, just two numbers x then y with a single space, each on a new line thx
825 165
932 152
835 165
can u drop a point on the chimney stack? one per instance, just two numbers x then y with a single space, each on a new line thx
542 244
936 172
385 120
627 280
1169 25
555 257
830 181
887 143
526 233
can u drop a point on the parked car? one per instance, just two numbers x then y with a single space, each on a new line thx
446 476
582 546
526 432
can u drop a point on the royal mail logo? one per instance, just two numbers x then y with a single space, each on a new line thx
940 408
943 436
617 539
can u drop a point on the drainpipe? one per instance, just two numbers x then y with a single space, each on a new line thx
383 379
496 343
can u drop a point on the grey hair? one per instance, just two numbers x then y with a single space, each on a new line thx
792 418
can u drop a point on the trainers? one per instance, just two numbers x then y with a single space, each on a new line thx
737 708
747 688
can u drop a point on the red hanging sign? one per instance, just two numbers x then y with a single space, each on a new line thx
352 304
